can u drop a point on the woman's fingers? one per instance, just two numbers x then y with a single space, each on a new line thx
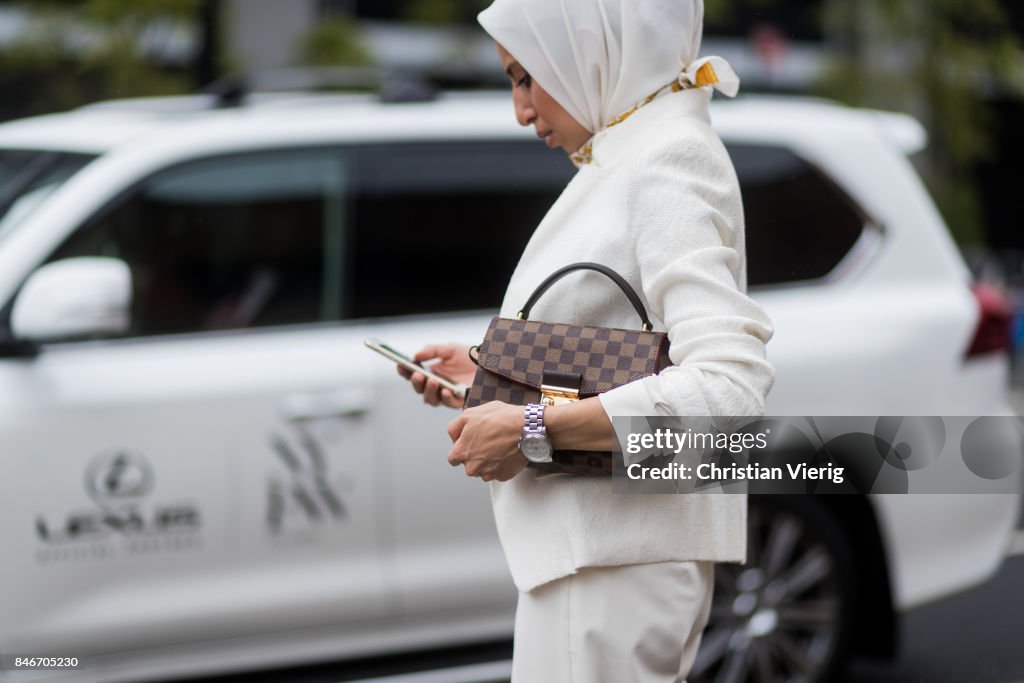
417 380
432 392
450 399
430 389
442 352
429 353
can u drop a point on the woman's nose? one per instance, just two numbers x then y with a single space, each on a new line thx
525 113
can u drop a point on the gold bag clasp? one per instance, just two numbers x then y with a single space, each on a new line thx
553 396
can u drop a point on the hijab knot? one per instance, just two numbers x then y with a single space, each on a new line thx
712 72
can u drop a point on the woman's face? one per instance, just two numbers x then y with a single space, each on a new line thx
534 106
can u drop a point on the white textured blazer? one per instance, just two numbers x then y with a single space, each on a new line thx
661 205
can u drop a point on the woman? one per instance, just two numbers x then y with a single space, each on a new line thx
618 587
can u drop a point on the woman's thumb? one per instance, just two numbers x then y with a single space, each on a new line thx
427 353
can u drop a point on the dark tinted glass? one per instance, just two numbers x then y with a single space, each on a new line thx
440 227
799 224
28 177
234 242
11 163
298 237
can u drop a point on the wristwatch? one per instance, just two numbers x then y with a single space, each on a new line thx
534 444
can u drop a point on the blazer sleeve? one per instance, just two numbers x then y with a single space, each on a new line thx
685 217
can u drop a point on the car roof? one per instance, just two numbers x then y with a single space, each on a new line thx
108 126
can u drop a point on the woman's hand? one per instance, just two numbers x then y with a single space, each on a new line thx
453 363
486 441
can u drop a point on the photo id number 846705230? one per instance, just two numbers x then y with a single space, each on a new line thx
36 663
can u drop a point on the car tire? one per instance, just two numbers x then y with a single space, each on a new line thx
787 614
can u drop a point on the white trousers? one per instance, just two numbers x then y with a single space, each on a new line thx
629 624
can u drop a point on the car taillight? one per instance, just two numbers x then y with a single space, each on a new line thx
993 331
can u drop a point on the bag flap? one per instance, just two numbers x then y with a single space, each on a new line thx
605 357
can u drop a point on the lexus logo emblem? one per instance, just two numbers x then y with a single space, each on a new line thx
118 475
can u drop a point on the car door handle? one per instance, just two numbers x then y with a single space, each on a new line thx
313 406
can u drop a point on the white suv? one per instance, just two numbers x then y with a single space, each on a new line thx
204 470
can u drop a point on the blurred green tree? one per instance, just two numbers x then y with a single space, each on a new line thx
443 11
80 51
335 41
939 60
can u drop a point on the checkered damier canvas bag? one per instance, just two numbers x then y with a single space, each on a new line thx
521 361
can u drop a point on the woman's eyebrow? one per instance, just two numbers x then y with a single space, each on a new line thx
511 66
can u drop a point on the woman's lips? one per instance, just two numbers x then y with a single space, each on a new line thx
546 137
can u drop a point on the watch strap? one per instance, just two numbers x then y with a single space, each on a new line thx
533 423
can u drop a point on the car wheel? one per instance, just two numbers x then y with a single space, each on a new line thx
785 615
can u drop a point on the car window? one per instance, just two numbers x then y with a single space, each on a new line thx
488 198
235 242
799 223
441 226
316 236
29 177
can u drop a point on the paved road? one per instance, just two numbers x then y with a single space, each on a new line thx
975 637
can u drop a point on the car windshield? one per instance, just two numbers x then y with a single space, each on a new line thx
27 178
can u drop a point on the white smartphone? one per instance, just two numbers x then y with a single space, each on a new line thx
458 390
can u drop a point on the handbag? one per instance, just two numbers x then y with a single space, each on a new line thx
522 361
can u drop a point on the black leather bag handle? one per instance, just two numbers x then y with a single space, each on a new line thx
604 270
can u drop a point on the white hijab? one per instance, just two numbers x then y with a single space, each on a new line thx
599 58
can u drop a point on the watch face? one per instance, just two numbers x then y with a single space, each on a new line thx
536 448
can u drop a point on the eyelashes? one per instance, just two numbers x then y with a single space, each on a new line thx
521 81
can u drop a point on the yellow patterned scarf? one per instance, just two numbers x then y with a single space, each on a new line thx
705 76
